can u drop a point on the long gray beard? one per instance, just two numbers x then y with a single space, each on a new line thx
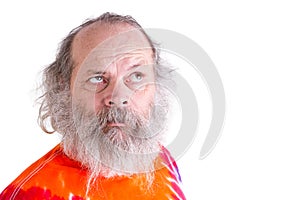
110 151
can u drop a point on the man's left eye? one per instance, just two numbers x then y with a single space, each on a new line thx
136 77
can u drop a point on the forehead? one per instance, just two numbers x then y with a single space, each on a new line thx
102 42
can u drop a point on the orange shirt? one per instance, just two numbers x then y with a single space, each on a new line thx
57 177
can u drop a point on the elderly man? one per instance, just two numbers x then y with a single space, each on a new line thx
103 94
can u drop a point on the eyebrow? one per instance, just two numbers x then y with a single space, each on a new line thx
90 72
134 66
138 61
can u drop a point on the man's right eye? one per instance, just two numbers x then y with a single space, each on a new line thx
98 83
97 80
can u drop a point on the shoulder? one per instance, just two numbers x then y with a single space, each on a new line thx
169 162
32 179
169 170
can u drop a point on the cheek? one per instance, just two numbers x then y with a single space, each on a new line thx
97 102
84 100
143 99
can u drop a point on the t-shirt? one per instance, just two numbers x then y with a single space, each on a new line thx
56 177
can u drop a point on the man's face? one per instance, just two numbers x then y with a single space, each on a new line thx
112 119
113 68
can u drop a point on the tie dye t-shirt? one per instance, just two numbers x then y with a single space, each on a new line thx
57 177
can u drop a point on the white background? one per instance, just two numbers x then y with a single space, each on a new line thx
255 46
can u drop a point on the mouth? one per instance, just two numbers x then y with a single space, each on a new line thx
112 124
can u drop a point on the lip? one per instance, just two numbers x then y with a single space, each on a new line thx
116 124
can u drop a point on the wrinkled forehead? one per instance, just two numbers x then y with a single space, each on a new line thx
105 43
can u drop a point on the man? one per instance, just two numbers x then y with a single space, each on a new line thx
103 94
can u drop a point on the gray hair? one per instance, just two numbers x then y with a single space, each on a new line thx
57 76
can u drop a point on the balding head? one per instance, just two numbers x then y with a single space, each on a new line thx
108 38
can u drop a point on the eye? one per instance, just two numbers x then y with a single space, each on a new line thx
97 80
97 83
136 77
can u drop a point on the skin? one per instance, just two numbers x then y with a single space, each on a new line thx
113 67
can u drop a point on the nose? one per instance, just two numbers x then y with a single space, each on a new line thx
119 102
118 96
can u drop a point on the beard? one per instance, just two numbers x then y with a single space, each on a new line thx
107 150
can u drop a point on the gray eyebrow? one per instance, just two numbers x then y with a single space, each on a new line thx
90 71
134 66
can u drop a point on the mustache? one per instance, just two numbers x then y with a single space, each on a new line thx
120 115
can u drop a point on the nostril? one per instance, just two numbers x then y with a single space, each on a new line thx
117 102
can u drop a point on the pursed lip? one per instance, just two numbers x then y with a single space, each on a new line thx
112 124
